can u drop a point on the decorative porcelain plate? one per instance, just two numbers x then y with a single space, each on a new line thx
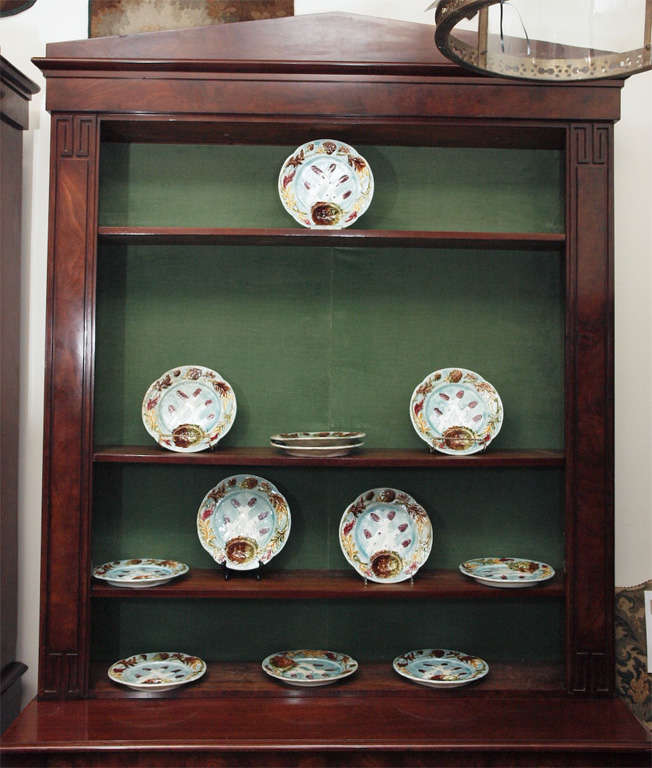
456 411
385 535
243 522
314 451
508 572
317 439
440 668
156 671
325 184
139 573
189 408
308 669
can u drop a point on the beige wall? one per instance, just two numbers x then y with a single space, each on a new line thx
25 35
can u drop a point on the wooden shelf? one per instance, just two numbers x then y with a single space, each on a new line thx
425 728
305 584
270 457
246 679
344 237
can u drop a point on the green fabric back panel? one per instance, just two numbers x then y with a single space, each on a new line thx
415 187
515 630
315 338
330 337
151 511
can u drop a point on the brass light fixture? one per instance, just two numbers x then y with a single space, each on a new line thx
554 40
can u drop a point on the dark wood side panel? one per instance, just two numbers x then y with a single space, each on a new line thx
66 480
589 424
11 145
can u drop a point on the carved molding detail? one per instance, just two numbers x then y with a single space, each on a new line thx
591 673
74 135
61 675
591 142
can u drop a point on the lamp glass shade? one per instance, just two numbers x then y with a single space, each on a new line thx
558 40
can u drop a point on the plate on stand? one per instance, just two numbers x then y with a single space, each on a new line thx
309 668
440 668
189 408
325 184
507 572
243 522
139 572
456 411
385 535
157 671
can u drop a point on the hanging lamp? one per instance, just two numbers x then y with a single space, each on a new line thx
553 40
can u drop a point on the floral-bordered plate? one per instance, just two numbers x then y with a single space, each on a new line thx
158 671
317 439
440 668
243 522
325 184
139 572
385 535
509 572
314 451
456 411
189 408
309 668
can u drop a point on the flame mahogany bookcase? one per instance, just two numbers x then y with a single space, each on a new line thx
489 244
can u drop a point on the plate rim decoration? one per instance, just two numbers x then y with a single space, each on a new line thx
462 657
221 387
453 375
178 568
295 159
345 658
385 495
276 499
184 658
505 583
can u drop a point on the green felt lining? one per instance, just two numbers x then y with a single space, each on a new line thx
318 338
314 338
519 630
519 190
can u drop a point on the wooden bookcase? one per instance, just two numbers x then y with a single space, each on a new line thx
489 244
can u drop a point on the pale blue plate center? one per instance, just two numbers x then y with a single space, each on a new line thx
427 669
455 405
189 402
385 527
244 513
162 671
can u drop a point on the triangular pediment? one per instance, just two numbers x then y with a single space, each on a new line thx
321 38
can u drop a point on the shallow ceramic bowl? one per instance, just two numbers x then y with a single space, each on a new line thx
157 672
385 535
139 573
507 572
317 439
312 451
456 411
189 408
243 522
309 668
440 668
325 184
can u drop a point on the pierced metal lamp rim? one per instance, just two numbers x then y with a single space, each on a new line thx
604 65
